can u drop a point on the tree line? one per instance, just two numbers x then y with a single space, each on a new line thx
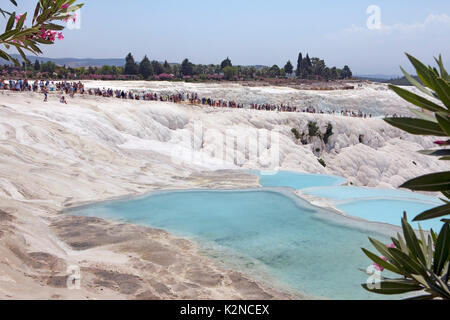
307 68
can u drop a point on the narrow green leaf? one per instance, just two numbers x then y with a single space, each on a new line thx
434 213
442 252
422 72
416 83
407 263
413 242
417 126
434 236
423 246
444 122
436 153
10 22
446 193
402 243
422 298
443 91
444 74
392 287
422 115
36 12
381 248
21 21
430 247
416 99
386 265
431 182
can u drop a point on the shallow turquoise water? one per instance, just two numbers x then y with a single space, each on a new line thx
372 204
380 205
298 180
391 211
277 237
306 248
346 192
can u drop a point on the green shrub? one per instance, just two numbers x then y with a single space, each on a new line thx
423 265
328 133
296 134
313 129
322 162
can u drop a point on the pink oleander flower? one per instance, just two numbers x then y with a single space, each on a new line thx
378 267
442 143
391 246
73 18
18 17
65 6
50 35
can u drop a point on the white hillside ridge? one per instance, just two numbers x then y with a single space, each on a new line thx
94 149
110 137
370 98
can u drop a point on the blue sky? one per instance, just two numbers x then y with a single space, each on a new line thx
260 32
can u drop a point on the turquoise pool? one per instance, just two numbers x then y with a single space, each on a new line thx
298 180
390 211
372 204
380 205
272 235
347 192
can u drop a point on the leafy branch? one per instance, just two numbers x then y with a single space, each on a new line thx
43 29
434 120
423 264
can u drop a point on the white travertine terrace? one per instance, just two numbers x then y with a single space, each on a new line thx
54 155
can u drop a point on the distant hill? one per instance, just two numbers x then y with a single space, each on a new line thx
87 62
402 81
71 62
395 80
379 76
258 67
376 77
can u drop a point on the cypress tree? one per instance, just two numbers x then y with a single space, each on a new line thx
37 65
157 67
307 67
334 73
187 68
346 72
131 67
145 68
289 68
167 67
226 63
299 71
274 71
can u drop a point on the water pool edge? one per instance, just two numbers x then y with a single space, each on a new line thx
332 217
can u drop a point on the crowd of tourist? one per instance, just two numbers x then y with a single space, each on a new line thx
72 88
